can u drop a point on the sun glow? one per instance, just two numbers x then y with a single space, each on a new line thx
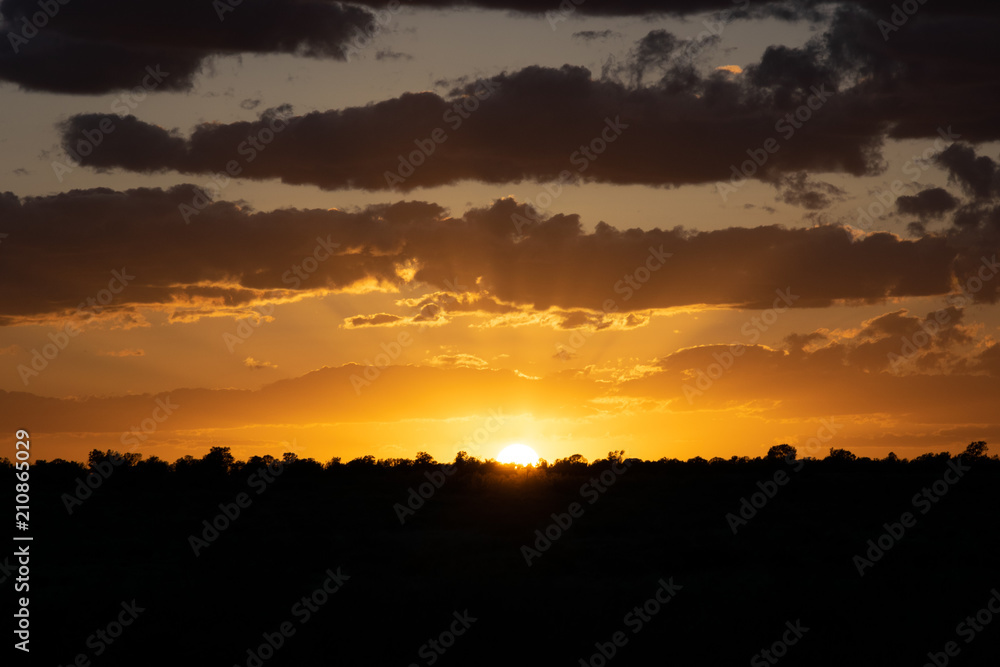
518 454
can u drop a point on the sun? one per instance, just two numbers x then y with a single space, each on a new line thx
519 454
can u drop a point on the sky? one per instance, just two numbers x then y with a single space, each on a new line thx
681 228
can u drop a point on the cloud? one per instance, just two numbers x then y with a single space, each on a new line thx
255 365
323 396
595 35
389 54
90 46
978 175
376 320
654 118
249 104
127 352
502 260
565 355
537 123
930 203
883 369
799 190
458 360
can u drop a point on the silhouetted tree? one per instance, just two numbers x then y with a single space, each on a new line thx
425 459
362 462
976 450
154 465
218 461
569 464
127 460
842 455
782 452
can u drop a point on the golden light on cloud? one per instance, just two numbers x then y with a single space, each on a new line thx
732 69
128 352
254 364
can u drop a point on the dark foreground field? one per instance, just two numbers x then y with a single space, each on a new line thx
647 567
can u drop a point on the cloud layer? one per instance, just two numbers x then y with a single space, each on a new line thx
119 252
652 118
96 46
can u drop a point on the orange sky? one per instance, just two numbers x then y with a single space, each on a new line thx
560 254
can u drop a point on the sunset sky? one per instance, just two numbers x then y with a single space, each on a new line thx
680 228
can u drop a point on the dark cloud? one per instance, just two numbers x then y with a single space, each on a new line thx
826 106
500 261
595 35
96 46
249 104
978 175
799 190
537 123
931 203
785 9
389 54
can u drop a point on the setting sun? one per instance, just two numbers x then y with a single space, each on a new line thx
519 454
